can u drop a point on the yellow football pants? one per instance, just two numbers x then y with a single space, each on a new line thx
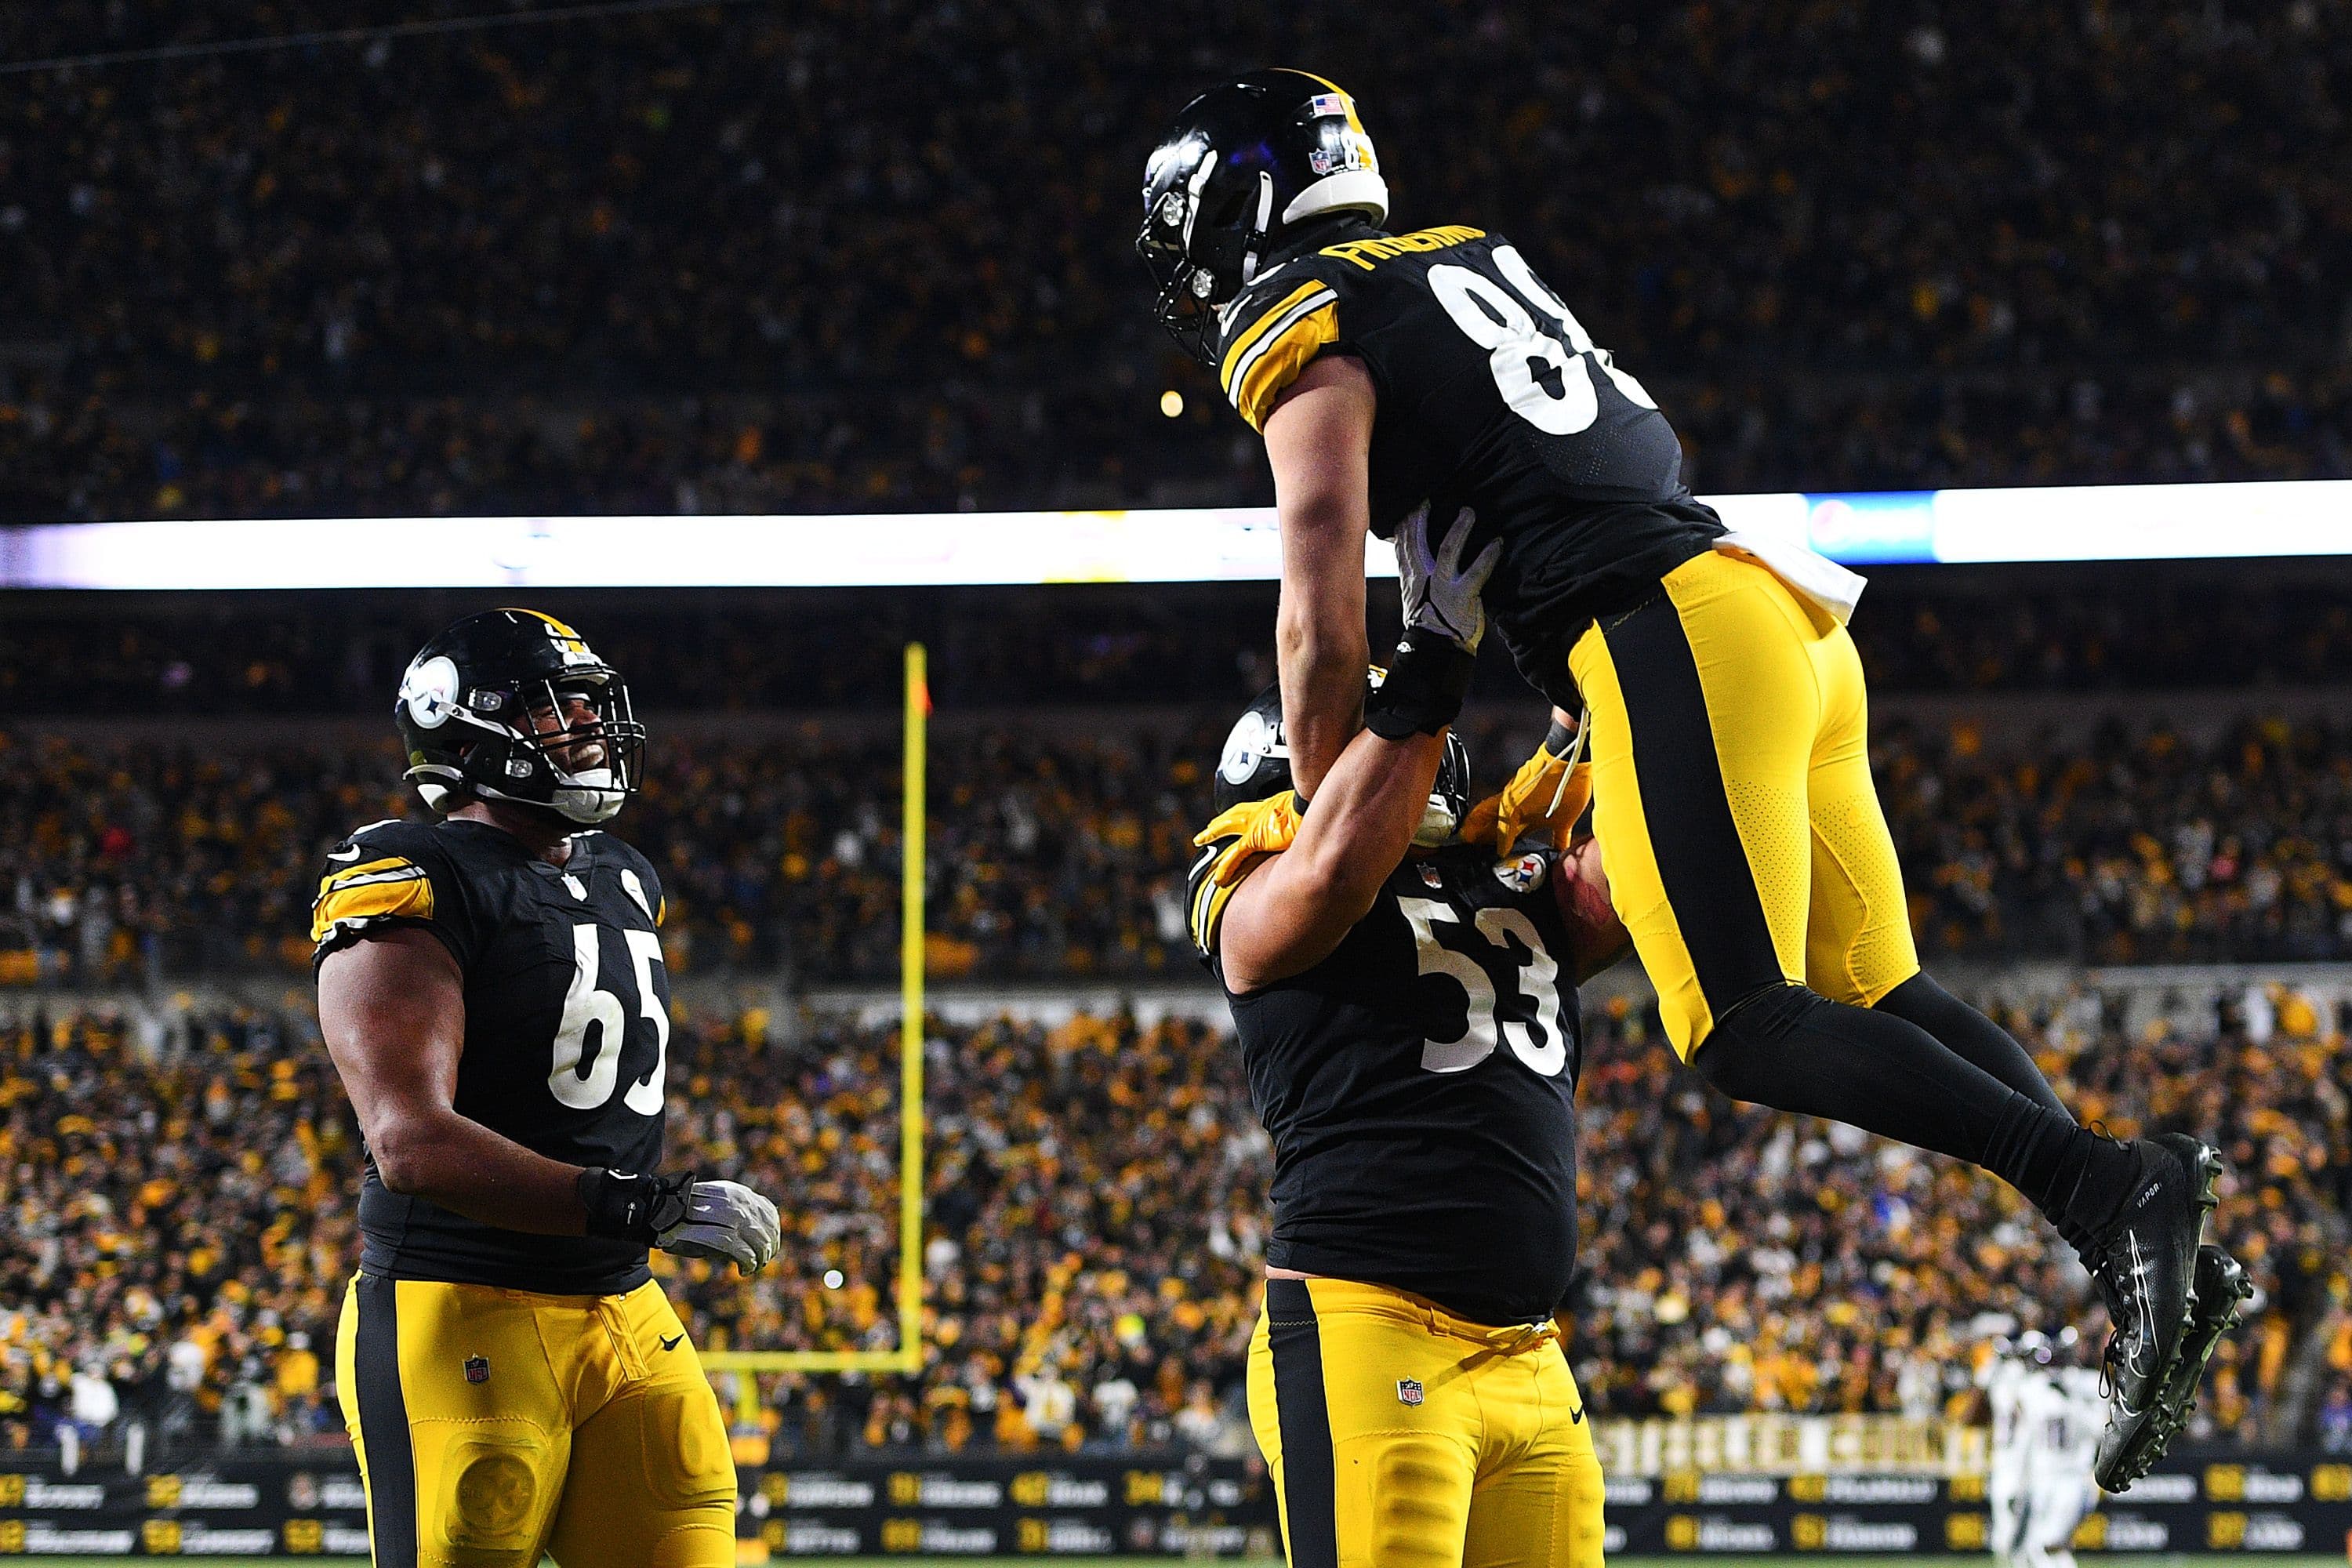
1401 1436
494 1425
1732 797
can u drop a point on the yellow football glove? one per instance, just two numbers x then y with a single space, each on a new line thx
1548 793
1265 827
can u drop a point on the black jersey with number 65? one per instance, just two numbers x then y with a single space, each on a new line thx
567 1028
1419 1088
1493 396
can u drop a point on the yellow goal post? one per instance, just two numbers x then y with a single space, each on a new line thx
907 1357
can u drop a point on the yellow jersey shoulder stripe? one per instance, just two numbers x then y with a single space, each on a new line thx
1278 358
1247 341
382 889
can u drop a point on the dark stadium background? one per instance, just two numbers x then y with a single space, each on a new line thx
857 257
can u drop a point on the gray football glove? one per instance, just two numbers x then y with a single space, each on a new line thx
1440 594
725 1219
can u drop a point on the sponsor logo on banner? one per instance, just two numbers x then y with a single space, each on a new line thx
43 1537
1850 1490
811 1538
1205 1540
1065 1535
1613 1540
345 1539
1737 1488
197 1539
1627 1491
2169 1487
2331 1483
1709 1532
2251 1483
59 1497
2130 1533
816 1489
201 1491
1054 1488
1842 1532
929 1489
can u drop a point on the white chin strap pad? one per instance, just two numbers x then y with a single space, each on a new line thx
1362 189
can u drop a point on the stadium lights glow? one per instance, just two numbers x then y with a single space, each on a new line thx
1171 403
2105 522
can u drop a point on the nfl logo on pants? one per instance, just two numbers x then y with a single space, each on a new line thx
1408 1391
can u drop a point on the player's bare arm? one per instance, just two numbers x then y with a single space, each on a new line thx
1296 905
1318 440
392 1008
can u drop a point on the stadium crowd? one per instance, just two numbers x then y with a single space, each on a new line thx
179 1205
879 255
1054 853
798 651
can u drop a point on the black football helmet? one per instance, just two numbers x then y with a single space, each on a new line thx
1256 764
474 699
1246 164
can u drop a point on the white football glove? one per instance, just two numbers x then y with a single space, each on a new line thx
1441 595
725 1219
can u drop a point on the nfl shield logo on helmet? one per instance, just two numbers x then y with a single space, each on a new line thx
1408 1391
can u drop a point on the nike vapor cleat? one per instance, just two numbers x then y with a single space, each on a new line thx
2219 1299
2145 1263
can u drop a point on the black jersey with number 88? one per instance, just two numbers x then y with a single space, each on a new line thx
1492 396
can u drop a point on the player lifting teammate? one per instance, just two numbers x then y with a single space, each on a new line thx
1407 1013
1730 780
491 989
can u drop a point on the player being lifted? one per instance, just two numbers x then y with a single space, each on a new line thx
1730 777
1407 1013
491 989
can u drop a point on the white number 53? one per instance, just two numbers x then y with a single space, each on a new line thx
1536 976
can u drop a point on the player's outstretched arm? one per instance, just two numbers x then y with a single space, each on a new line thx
392 1008
1295 907
1318 440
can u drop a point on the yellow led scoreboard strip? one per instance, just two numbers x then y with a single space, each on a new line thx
914 819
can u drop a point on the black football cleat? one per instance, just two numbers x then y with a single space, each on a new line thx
2222 1294
2145 1262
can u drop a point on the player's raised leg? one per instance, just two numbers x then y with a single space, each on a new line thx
1718 709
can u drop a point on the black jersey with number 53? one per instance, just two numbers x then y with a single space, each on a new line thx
1419 1088
567 1028
1493 396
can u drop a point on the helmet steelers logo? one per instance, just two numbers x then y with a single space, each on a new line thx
429 690
1253 740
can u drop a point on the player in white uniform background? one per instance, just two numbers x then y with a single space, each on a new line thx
2046 1416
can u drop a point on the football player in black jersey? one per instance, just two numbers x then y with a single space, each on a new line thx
491 989
1732 794
1407 1013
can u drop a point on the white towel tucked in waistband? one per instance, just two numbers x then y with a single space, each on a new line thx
1806 571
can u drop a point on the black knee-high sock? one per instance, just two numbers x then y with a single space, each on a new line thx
1973 1036
1793 1049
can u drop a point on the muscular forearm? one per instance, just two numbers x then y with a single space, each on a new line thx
468 1169
1322 659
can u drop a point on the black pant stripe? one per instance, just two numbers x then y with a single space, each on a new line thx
1701 861
1309 1490
384 1424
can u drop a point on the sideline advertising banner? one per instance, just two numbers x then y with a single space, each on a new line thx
1085 1506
